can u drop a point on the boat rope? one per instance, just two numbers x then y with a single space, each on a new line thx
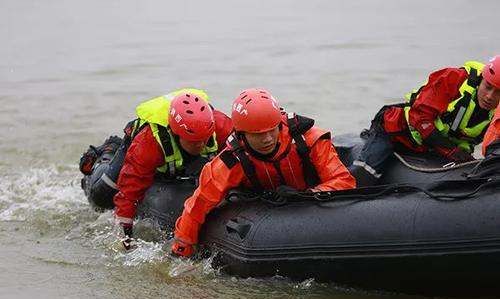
485 174
375 192
407 188
446 167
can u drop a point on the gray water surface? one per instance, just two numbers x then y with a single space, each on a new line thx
71 73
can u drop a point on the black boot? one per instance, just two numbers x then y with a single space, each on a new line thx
362 176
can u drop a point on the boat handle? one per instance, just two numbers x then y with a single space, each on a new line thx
232 226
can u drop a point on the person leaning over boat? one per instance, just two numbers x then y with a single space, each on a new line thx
269 150
448 115
171 133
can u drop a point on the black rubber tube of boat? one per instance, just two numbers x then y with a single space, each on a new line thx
372 193
428 190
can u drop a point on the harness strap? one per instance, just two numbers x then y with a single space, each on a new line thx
474 78
413 96
296 130
297 126
165 140
167 148
248 166
210 143
132 128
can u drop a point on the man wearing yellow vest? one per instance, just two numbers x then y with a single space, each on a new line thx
448 115
170 133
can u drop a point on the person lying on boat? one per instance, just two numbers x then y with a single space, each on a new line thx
171 133
269 150
447 115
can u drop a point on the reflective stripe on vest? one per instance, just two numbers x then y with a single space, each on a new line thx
155 113
454 123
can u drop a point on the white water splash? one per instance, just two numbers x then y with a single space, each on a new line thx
143 253
52 190
304 285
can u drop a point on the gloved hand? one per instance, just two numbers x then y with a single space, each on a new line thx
458 155
180 248
127 240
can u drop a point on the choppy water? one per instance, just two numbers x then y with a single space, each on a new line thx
71 73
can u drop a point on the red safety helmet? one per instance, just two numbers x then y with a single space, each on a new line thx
491 72
255 111
191 118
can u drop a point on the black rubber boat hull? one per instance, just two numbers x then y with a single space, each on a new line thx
164 202
403 241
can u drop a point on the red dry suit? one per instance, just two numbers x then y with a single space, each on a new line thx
143 157
432 101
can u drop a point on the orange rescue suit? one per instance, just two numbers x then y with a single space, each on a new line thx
217 178
493 132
